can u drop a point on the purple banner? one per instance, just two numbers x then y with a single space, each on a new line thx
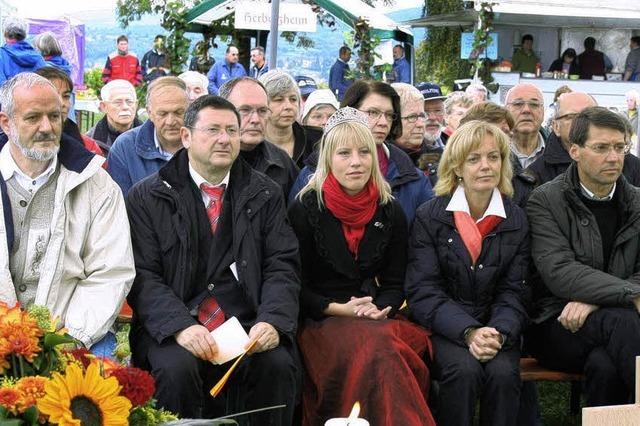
71 38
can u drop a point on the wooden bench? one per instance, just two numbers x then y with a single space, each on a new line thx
531 371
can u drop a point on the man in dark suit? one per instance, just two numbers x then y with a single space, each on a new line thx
338 82
211 242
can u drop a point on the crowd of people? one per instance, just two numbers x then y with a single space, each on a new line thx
370 243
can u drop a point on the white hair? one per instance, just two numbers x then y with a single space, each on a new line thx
195 77
23 79
107 89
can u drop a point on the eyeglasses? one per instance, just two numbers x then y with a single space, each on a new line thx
414 117
533 105
569 116
437 112
605 148
375 114
121 102
216 132
246 111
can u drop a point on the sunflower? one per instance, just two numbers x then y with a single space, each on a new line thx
84 400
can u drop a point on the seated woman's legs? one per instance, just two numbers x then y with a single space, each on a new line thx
501 391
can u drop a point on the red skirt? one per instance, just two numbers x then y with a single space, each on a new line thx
378 363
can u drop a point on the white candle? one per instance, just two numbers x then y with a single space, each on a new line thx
345 421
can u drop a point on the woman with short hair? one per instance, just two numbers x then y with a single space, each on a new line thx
51 51
466 278
353 235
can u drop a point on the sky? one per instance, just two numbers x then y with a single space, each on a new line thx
56 8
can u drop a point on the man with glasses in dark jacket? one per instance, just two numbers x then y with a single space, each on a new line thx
585 231
211 242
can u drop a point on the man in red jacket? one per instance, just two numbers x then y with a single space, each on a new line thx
122 64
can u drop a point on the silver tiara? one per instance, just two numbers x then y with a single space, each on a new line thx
344 115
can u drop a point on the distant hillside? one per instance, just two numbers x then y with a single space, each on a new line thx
102 31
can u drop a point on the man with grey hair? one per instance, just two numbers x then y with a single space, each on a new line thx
119 104
66 242
249 97
196 84
556 159
17 55
143 150
526 103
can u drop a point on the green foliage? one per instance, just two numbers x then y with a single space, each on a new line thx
438 57
481 41
93 80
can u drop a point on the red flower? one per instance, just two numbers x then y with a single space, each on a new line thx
137 385
80 355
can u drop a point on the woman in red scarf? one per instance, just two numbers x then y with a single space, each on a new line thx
353 238
466 278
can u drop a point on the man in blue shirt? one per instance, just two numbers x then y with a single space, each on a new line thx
338 82
226 70
401 67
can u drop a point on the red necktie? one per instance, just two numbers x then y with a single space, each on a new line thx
214 208
210 314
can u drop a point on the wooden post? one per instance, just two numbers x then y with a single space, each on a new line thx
615 415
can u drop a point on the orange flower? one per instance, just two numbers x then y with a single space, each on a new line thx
31 388
9 315
10 399
22 341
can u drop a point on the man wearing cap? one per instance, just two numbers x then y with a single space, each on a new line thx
338 82
318 108
249 97
401 67
434 110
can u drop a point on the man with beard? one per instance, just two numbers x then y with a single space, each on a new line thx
434 109
119 104
525 102
66 242
141 151
122 64
249 97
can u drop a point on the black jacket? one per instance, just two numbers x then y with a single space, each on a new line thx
555 160
574 68
164 230
567 248
305 140
329 271
447 294
273 162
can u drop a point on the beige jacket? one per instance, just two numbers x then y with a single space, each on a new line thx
88 267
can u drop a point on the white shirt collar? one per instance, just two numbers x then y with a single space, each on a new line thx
593 196
527 160
9 168
199 180
459 203
162 152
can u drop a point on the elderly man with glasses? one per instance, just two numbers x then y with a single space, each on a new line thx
119 104
526 103
585 242
555 158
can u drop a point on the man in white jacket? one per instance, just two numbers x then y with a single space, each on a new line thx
64 233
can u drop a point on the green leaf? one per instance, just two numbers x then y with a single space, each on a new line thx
10 422
30 416
51 340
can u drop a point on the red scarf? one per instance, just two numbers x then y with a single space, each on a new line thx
473 233
354 212
383 161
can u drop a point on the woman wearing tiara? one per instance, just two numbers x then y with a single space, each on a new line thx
353 248
466 278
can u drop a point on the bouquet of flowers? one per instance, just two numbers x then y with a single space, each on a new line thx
43 379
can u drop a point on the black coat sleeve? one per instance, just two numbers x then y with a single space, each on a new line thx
156 306
313 303
391 291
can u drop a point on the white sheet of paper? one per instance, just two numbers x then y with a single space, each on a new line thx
234 270
231 339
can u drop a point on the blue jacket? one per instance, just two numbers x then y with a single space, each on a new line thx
447 295
134 156
221 72
402 70
409 185
18 57
337 82
60 63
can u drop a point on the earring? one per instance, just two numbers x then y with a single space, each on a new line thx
459 178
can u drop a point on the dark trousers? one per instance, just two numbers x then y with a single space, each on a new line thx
263 379
604 349
462 379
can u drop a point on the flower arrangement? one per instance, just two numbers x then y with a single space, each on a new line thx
45 379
